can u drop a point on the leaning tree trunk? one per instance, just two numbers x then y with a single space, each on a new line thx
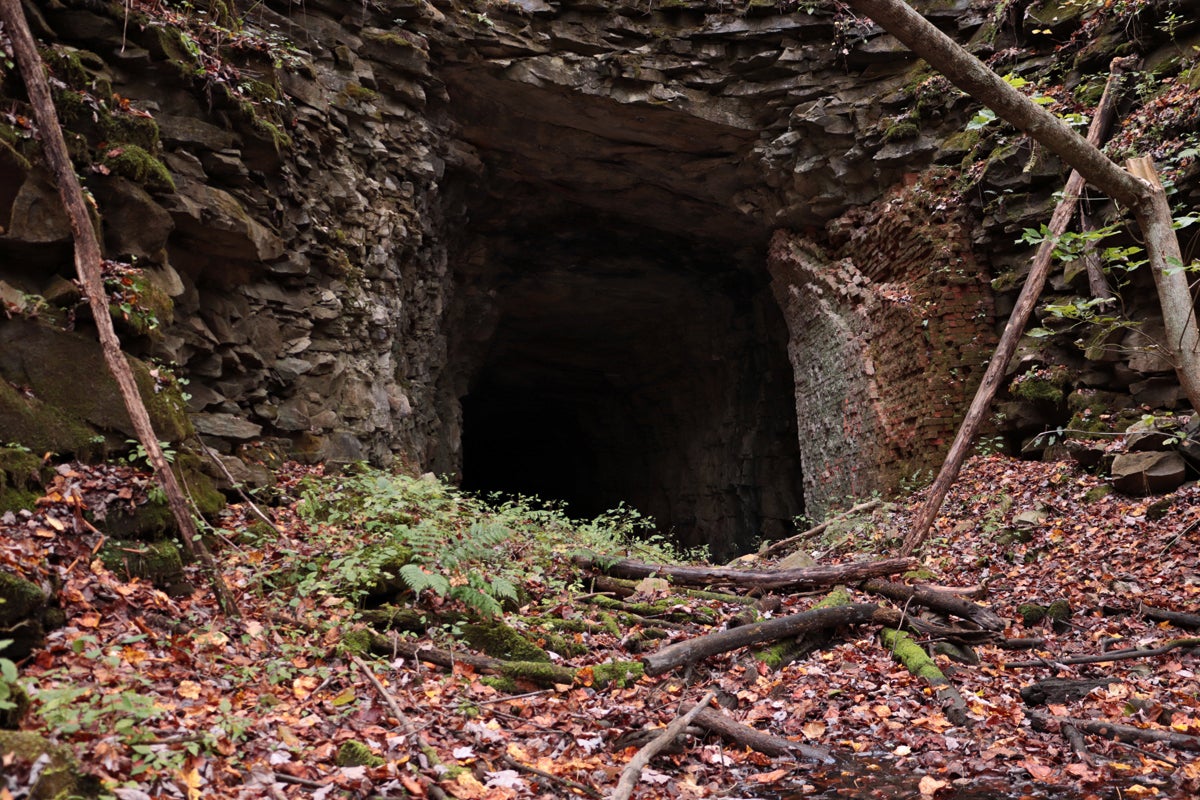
87 263
1131 190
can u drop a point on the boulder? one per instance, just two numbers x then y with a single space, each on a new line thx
1148 472
1152 434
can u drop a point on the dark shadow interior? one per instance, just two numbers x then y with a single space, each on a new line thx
615 364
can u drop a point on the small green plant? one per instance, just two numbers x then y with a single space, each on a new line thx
138 456
8 678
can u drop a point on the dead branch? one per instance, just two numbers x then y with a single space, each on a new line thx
1115 655
1034 281
633 770
691 650
1177 618
1120 733
817 530
567 782
405 723
794 579
938 601
713 720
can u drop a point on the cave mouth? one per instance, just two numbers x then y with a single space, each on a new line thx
616 365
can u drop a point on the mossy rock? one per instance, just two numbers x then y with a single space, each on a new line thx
14 702
1041 385
138 165
51 414
159 562
357 754
60 777
20 472
1098 493
22 604
500 640
1031 614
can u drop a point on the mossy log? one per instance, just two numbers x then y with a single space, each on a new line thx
535 672
918 662
938 601
802 579
785 652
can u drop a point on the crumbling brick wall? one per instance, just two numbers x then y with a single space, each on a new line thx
890 327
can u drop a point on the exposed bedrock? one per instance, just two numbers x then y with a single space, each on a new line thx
679 254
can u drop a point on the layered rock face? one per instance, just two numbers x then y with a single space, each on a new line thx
529 244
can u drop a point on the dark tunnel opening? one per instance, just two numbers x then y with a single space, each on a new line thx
631 368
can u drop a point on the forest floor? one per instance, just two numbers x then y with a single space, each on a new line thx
166 697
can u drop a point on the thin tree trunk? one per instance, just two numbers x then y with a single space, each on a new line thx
87 264
1166 265
795 579
765 743
939 601
973 77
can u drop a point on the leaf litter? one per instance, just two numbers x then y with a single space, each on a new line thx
162 696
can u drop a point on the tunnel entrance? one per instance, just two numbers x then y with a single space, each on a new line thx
613 364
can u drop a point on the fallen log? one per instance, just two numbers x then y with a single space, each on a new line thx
633 770
794 579
938 601
1114 655
765 743
691 650
1119 733
1176 618
918 662
1059 690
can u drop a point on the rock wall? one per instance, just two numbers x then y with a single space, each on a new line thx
328 207
891 330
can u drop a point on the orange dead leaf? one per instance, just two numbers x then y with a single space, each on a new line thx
813 730
769 777
930 786
1038 771
189 690
467 787
303 686
412 786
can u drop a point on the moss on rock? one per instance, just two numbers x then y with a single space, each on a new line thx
138 165
616 673
60 777
160 562
22 603
357 754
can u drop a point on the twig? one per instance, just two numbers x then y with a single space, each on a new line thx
817 530
506 698
567 782
1115 655
633 770
401 717
1072 735
258 512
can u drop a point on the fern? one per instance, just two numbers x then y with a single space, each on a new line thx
418 579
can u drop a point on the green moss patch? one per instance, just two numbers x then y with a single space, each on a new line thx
138 165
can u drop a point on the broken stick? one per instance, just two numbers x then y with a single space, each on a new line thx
633 770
